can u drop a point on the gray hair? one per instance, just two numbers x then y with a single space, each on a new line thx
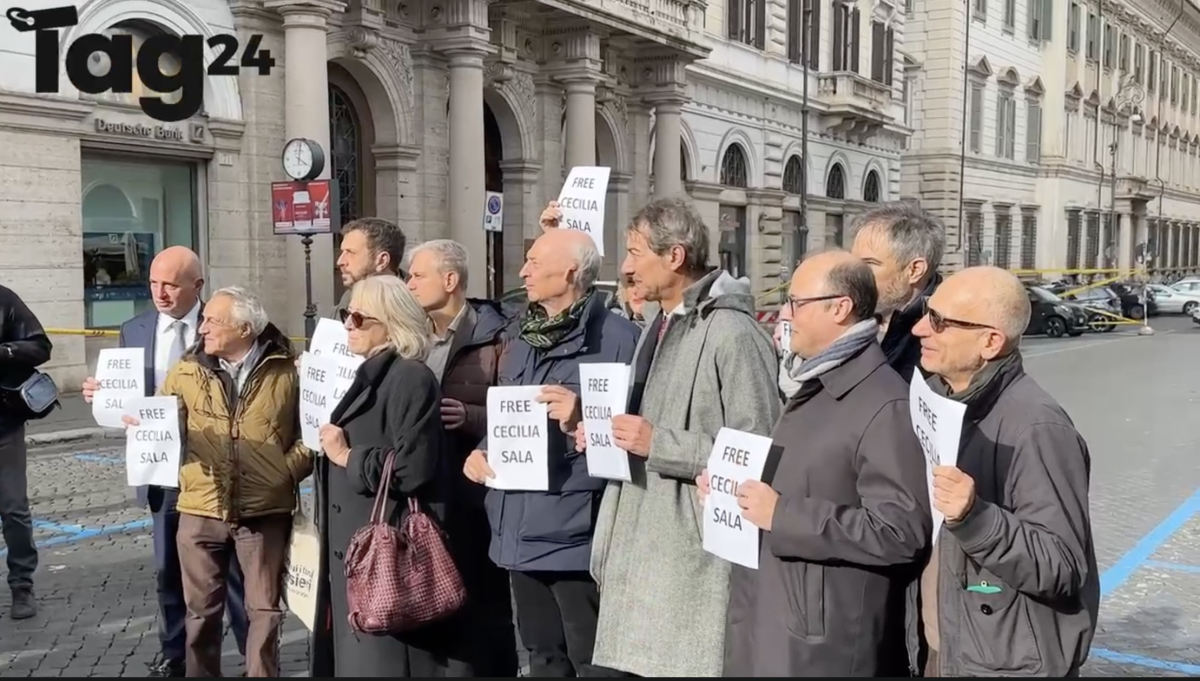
246 309
452 257
856 281
587 260
912 233
670 222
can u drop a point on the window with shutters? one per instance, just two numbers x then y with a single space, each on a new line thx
1194 100
1092 245
1093 37
979 10
1072 239
1010 16
1174 84
1006 125
1123 52
1028 239
1164 78
1002 243
882 51
804 32
1073 28
1033 131
1139 64
977 118
813 43
845 37
748 22
1152 72
1040 20
1110 45
974 251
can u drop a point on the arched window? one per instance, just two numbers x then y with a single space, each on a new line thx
733 167
835 184
793 176
683 162
345 140
871 188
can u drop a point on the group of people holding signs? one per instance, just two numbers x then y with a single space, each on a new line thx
894 497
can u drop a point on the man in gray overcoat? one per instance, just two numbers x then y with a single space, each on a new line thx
702 363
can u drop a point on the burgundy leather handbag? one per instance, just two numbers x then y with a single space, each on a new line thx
399 578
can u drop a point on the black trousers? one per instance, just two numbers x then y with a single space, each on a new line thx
14 509
556 616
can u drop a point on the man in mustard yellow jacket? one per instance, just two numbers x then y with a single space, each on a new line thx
238 394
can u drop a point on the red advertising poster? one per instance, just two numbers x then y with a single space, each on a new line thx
281 207
302 207
318 194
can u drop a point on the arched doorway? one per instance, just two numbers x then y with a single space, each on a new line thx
351 136
493 153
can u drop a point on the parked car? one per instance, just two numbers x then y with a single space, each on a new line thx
1132 305
1103 304
1171 300
1053 316
1187 285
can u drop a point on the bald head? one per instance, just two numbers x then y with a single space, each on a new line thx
559 268
838 272
830 292
987 295
176 279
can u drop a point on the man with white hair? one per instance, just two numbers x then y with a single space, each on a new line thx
1017 525
544 539
467 342
243 460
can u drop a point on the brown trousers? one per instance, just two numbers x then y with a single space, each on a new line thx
205 548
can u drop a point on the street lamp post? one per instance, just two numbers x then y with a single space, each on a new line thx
1129 96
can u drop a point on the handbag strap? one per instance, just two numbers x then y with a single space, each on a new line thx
385 485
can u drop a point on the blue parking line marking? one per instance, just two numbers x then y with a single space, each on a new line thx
1148 662
57 527
90 533
1120 571
100 458
1174 567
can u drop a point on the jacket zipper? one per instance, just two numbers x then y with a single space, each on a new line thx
235 431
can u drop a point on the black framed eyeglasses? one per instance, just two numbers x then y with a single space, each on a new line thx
356 318
795 303
939 322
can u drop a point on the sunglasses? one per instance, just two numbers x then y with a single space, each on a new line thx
795 303
939 322
356 318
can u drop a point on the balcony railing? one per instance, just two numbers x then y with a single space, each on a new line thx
846 89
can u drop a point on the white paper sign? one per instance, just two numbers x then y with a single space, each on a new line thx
121 373
582 202
736 457
938 423
153 447
318 383
604 393
517 439
330 339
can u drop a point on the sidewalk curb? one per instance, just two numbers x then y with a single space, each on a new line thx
71 435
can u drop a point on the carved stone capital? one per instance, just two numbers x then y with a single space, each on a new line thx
361 40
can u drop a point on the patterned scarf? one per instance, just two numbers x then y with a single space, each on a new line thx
543 332
846 346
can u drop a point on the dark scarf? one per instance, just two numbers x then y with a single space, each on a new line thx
986 385
543 332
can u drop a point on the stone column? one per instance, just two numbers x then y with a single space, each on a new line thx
581 120
639 132
618 212
467 177
668 133
306 97
1124 239
523 205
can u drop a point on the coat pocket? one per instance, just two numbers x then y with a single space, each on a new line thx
805 591
996 636
566 518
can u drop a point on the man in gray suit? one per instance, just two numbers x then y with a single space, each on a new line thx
165 333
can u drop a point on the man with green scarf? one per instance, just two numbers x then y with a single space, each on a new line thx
1012 588
544 539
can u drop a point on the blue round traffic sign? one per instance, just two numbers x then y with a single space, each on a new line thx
493 205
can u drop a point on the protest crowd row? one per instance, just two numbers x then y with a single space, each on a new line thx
661 490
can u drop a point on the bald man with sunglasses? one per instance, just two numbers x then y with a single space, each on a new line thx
1016 505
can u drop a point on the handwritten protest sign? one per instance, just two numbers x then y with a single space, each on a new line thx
330 339
120 373
736 457
604 393
582 202
518 439
938 423
318 382
153 447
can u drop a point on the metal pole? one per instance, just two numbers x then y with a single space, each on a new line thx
310 307
1112 192
804 57
962 152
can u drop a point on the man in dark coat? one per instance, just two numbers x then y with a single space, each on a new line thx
544 539
464 354
23 347
164 334
369 246
845 516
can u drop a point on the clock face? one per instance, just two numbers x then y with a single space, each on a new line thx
297 159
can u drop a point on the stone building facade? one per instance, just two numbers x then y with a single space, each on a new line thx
423 106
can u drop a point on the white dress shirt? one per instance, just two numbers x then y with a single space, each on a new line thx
165 338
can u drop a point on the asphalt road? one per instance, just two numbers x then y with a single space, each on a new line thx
1134 398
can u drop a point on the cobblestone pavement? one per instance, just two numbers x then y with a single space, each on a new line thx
1134 399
